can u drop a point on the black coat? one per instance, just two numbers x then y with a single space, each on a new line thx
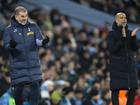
123 74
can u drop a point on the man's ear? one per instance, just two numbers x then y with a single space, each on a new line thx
16 17
117 22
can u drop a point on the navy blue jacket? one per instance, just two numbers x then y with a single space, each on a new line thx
123 74
24 59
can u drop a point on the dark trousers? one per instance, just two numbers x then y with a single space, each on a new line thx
130 97
27 93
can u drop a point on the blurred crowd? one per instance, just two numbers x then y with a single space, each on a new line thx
130 7
75 58
74 64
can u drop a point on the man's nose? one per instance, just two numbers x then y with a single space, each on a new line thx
124 20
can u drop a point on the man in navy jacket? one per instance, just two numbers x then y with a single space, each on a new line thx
22 39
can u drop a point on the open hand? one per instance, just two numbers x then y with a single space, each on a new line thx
133 33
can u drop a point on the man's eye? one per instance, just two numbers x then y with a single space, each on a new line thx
122 17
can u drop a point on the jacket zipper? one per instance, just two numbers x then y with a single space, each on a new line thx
26 55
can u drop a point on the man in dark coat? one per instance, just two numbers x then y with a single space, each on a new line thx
122 45
22 39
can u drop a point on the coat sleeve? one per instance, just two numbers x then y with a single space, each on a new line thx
114 44
6 39
134 43
38 36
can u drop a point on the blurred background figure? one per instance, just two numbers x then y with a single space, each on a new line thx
137 98
94 98
68 94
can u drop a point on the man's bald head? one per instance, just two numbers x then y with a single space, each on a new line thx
120 18
119 14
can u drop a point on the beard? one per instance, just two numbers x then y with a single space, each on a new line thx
124 24
23 22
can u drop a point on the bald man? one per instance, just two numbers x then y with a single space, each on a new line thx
122 46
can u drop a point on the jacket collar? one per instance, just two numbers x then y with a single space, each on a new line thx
118 28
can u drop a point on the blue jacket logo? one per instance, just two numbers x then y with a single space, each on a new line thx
15 30
19 34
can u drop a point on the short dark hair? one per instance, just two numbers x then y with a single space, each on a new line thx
19 9
67 90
